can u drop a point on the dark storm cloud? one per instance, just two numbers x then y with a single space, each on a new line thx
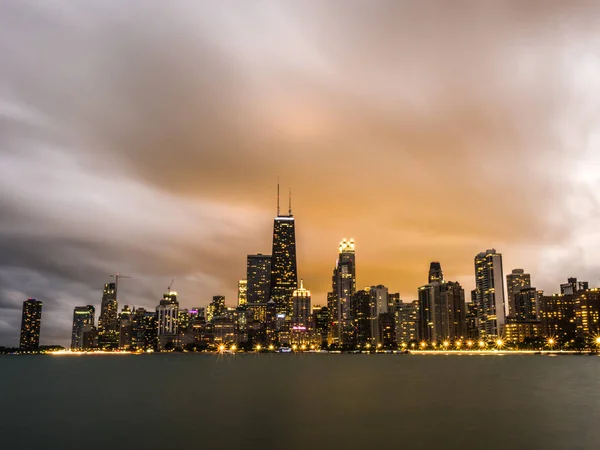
147 138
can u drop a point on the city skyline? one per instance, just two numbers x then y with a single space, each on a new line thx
402 126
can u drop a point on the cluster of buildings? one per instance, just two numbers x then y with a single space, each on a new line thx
274 309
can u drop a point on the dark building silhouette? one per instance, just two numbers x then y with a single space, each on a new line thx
258 276
284 272
30 325
435 272
83 321
343 286
108 322
322 322
363 313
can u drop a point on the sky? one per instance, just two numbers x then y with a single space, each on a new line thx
147 138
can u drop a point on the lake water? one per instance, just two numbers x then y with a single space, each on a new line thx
305 401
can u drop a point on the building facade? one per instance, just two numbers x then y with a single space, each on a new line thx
31 322
516 281
108 322
83 321
489 294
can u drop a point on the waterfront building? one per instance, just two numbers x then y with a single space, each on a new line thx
144 330
516 281
407 315
517 331
242 292
557 316
394 302
343 285
525 305
363 310
442 309
284 273
386 330
167 313
31 322
108 322
321 316
489 293
587 313
258 278
379 301
125 328
83 321
472 330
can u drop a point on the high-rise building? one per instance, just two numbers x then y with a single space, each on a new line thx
258 278
31 321
526 304
435 272
587 313
301 308
379 299
472 329
515 282
442 309
216 308
322 322
167 313
387 330
572 286
144 330
363 310
125 328
489 293
407 321
394 302
284 272
83 321
242 292
557 316
343 287
108 322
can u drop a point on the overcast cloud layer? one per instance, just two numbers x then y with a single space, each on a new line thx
146 138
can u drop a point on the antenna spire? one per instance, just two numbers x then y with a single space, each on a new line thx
277 196
290 208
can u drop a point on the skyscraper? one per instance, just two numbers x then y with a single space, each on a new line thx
435 272
83 321
258 278
301 308
242 292
489 293
108 323
407 322
515 282
284 273
343 287
363 310
125 328
30 325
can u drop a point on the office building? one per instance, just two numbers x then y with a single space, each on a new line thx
557 316
526 304
587 314
489 294
167 313
258 278
125 328
83 321
284 273
322 322
407 320
343 287
363 311
216 308
435 272
144 331
31 321
515 282
301 308
108 322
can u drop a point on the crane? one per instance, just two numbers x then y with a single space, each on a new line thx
169 286
116 276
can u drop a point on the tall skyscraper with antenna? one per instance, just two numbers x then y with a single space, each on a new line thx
284 272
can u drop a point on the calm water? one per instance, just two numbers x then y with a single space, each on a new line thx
300 401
